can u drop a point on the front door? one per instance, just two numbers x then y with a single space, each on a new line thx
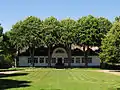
59 61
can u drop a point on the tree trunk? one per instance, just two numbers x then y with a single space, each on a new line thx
69 55
86 56
15 62
32 56
17 58
49 56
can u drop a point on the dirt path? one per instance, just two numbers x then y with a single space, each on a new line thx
115 72
9 72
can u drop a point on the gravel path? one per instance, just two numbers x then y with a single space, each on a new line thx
9 72
115 72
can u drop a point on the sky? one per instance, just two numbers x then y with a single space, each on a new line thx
12 11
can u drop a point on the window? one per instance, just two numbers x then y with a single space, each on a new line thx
53 60
29 60
89 59
35 60
46 59
83 60
72 60
65 60
77 60
59 51
41 60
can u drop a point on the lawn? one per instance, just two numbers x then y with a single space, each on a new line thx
59 79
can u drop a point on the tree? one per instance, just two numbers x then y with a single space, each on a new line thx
90 32
6 56
117 19
26 34
111 45
68 27
9 51
87 26
104 26
1 34
50 28
1 39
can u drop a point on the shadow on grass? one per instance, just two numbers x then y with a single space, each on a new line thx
15 74
9 83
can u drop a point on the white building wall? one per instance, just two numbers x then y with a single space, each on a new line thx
41 64
23 61
95 61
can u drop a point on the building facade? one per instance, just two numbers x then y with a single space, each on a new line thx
59 57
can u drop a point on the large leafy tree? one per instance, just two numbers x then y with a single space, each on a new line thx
26 34
1 37
90 32
1 34
4 50
117 19
50 27
67 35
87 26
104 25
1 30
111 45
15 39
8 50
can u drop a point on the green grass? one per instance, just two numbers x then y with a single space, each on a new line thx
60 79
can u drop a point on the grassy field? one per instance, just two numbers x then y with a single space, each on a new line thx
59 79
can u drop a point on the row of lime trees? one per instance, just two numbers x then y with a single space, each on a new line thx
87 31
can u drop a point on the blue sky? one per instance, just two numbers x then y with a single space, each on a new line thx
12 11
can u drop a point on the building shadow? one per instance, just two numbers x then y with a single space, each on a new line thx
10 83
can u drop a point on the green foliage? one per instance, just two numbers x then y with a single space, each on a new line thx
26 32
1 34
32 32
6 61
104 25
111 45
1 30
117 19
91 30
16 36
87 26
9 59
67 31
7 45
50 31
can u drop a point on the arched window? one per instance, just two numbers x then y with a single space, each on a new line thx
59 51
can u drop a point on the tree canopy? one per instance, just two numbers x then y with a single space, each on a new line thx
33 32
26 34
111 45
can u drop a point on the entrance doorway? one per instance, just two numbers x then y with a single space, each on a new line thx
59 63
59 60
